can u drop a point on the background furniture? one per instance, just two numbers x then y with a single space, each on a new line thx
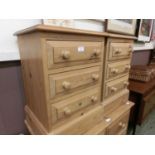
75 81
11 99
143 95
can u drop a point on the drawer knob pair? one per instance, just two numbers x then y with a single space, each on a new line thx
94 99
66 85
122 125
114 71
113 89
95 77
65 54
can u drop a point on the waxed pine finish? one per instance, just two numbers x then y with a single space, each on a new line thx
75 81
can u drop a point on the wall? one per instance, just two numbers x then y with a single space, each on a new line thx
8 42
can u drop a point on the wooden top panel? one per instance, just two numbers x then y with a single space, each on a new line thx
46 28
141 87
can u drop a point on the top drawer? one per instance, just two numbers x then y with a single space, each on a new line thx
70 53
119 50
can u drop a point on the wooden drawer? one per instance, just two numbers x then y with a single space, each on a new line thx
111 104
119 50
68 82
82 123
115 86
119 126
99 129
71 105
117 69
70 53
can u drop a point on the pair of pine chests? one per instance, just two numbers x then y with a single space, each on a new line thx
75 81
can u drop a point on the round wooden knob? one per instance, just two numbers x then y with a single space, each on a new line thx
126 83
67 111
118 51
122 125
80 104
114 71
113 89
94 99
66 54
95 77
66 85
97 52
127 67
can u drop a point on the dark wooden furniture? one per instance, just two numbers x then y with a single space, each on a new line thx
143 94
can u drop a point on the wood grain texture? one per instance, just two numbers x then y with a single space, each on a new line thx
71 53
46 28
117 69
68 82
33 76
114 86
115 118
66 108
64 71
111 104
142 87
116 60
81 124
120 124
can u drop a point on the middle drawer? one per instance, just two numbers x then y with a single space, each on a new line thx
115 86
75 103
117 69
68 82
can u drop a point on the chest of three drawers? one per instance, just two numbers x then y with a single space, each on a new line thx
63 80
115 92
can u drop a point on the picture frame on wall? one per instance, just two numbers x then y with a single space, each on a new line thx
59 22
123 26
145 30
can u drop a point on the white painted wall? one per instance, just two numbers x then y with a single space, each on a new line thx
8 42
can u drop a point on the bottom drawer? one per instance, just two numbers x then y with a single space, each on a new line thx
70 106
81 124
112 104
119 126
99 129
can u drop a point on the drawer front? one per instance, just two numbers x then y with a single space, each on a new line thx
119 51
81 124
117 101
119 126
115 86
66 108
99 129
70 53
117 69
68 82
